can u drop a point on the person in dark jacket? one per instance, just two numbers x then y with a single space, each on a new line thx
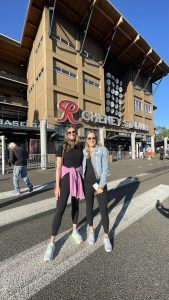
161 151
18 159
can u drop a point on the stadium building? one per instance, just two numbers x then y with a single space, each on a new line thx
79 62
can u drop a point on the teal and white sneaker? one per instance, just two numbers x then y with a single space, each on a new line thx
77 237
90 237
49 252
17 193
107 244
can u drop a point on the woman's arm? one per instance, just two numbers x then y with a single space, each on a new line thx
58 176
105 167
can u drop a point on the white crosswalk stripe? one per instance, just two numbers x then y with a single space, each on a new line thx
24 274
24 191
25 211
142 174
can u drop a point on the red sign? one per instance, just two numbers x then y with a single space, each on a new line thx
69 108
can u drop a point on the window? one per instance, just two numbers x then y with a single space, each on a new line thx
85 53
39 75
39 44
31 88
63 41
65 72
137 105
147 108
92 83
72 75
148 138
57 69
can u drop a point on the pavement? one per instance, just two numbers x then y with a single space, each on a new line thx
137 268
118 169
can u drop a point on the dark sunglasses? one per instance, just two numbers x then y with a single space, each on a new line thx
69 132
91 138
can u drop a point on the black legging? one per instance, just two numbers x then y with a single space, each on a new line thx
102 202
62 203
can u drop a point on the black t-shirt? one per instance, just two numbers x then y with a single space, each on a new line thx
71 158
90 174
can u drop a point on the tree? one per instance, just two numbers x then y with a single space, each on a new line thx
161 132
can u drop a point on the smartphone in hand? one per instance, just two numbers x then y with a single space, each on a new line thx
95 186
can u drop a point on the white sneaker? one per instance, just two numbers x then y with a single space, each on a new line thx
49 252
77 237
107 244
90 237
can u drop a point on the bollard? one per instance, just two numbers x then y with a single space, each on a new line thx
110 157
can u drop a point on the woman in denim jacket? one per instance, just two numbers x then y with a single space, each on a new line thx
95 170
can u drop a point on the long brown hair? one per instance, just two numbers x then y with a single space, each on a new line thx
68 144
86 143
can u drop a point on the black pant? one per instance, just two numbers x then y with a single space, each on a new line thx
102 202
161 156
62 203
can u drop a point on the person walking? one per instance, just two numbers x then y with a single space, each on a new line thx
141 151
68 181
95 170
18 159
161 151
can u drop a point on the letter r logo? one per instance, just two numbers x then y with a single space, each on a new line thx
69 108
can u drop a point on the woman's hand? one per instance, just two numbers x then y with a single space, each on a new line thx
99 190
57 192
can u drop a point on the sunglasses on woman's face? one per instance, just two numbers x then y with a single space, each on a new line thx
72 131
91 138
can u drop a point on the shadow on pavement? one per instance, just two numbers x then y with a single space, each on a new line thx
4 179
162 210
124 190
59 244
26 195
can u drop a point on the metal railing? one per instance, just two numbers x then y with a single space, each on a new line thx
13 100
120 154
12 76
35 160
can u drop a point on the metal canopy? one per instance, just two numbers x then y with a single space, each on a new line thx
128 47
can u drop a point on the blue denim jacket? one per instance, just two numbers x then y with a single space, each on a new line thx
99 160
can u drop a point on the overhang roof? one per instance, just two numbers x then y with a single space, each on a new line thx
122 137
11 50
128 47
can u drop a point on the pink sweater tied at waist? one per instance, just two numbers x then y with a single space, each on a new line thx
75 178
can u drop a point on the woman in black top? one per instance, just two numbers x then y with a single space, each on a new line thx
68 182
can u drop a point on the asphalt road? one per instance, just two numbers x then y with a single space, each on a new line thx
137 268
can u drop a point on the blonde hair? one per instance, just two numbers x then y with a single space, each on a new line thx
68 144
86 143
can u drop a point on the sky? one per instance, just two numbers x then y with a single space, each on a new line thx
149 18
